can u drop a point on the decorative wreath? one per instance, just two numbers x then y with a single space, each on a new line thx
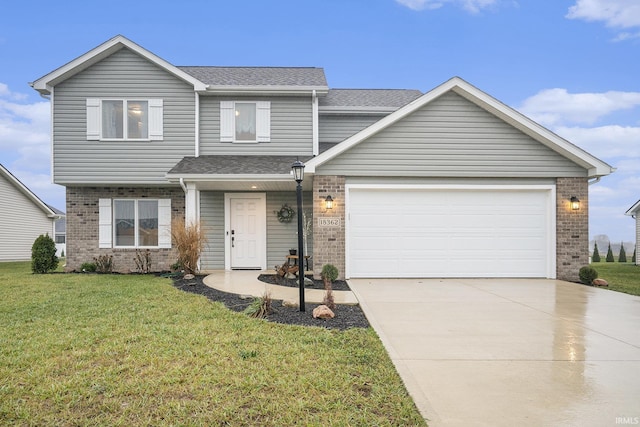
286 213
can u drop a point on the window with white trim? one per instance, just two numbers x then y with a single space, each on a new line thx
135 223
124 119
245 121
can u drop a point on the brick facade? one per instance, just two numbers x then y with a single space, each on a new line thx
82 226
328 241
572 228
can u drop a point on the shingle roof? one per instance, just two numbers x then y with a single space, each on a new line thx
394 98
227 165
258 76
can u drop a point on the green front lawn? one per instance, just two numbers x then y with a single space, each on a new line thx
622 277
132 350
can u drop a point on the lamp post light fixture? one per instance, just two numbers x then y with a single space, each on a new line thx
298 174
575 203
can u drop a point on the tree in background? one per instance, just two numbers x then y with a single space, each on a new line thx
633 258
610 254
596 255
623 255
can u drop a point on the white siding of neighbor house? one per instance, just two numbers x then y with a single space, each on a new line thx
21 222
638 238
290 134
280 236
334 128
451 137
121 75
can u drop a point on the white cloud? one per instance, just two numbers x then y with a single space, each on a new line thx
553 107
473 6
606 142
614 13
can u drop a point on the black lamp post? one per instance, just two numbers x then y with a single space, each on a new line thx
298 174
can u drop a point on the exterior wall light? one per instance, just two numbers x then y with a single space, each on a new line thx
575 203
328 203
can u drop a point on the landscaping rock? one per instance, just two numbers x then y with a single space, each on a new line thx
189 277
308 282
245 296
323 312
600 282
290 303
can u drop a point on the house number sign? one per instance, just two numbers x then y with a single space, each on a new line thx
329 222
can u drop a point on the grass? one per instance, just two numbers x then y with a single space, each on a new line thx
622 277
132 350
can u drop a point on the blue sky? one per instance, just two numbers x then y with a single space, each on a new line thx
571 65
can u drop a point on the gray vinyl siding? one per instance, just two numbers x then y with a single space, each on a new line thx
334 128
212 221
21 223
121 75
451 137
280 236
284 236
291 128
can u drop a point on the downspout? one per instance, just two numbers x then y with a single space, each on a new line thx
595 181
314 123
182 184
197 124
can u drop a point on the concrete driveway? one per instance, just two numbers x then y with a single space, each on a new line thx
507 352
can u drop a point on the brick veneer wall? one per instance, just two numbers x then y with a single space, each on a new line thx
328 242
572 228
82 226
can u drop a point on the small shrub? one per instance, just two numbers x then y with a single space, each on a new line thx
43 255
623 255
633 258
62 253
260 307
88 267
587 275
189 240
103 263
610 254
143 261
596 255
329 272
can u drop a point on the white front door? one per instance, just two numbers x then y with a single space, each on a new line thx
246 231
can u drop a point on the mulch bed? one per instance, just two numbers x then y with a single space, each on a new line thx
337 285
347 316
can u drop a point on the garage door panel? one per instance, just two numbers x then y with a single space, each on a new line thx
453 233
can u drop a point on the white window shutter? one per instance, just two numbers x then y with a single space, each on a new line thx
156 128
227 121
93 119
105 232
263 121
164 223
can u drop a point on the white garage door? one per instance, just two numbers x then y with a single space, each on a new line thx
480 232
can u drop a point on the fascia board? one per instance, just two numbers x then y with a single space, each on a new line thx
633 210
30 194
266 90
229 177
44 84
355 110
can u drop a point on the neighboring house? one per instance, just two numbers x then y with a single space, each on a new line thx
450 183
23 217
634 212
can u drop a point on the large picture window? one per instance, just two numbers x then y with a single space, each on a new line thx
135 223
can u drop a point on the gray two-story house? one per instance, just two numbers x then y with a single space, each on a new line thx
449 183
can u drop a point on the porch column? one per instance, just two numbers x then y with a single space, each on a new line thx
191 200
572 228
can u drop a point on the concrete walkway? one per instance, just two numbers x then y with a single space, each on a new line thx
510 352
245 282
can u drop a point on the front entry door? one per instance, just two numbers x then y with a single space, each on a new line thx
247 231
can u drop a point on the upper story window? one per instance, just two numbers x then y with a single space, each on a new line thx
124 119
245 121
